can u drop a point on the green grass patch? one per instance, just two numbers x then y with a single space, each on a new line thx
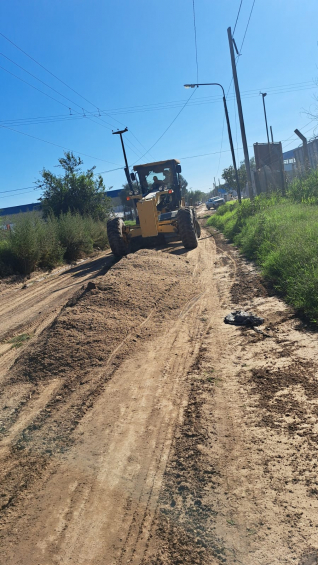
130 222
281 236
19 340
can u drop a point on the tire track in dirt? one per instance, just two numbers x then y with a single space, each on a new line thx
100 386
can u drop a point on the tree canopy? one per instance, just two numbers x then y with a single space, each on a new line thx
75 190
229 175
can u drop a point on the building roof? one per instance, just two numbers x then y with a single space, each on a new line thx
22 208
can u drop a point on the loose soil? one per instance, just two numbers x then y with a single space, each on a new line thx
138 428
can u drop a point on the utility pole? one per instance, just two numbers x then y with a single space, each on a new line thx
272 134
125 157
305 149
263 96
240 113
228 130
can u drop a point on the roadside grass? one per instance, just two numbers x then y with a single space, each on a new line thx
281 236
37 243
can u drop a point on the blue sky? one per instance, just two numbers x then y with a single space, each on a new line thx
130 59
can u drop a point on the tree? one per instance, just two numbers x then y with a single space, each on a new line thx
124 193
75 191
229 175
184 183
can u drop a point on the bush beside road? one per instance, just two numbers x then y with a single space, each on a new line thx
37 243
281 236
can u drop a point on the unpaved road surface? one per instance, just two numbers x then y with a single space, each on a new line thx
138 428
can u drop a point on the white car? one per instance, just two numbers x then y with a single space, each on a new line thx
218 202
209 203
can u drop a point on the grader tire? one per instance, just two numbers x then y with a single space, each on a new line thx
198 228
187 228
117 241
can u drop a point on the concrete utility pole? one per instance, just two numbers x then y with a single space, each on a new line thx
228 130
240 113
272 134
305 149
125 157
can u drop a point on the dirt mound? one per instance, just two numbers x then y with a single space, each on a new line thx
55 380
104 313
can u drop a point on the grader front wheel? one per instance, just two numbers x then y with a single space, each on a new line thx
117 237
187 227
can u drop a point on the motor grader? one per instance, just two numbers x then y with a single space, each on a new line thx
159 208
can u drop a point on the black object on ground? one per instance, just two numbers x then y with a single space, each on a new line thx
241 318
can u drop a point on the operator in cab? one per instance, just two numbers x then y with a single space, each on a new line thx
156 183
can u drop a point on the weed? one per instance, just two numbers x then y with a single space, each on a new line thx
130 222
18 340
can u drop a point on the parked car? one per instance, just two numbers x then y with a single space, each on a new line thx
209 203
218 202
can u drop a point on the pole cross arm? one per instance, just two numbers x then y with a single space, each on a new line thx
118 132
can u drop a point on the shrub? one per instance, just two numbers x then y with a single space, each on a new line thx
51 250
305 189
73 236
97 231
24 242
282 237
6 258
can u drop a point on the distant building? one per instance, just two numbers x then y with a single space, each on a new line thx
36 207
12 210
294 161
312 154
289 163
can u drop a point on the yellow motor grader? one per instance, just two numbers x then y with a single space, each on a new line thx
160 209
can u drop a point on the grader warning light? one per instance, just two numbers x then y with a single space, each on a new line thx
160 209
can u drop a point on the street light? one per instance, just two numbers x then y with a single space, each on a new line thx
228 129
263 95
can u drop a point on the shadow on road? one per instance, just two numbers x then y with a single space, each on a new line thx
97 266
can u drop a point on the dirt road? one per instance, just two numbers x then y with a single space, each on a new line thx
139 428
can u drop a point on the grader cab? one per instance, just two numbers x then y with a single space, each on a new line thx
159 207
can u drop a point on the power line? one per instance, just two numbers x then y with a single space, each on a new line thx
16 189
158 106
248 23
183 158
52 74
237 17
35 88
195 40
45 94
47 70
169 126
56 145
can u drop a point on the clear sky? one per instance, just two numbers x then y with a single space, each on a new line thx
130 59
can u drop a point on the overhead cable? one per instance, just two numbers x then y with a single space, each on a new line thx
248 23
169 126
56 145
237 17
195 40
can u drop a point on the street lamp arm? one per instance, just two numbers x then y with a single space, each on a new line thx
228 128
205 84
